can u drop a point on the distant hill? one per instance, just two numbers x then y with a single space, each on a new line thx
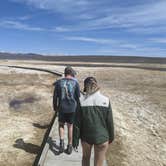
104 59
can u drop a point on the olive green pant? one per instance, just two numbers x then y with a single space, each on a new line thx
99 153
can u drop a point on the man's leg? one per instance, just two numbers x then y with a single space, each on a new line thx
70 133
100 151
70 137
61 136
86 149
61 130
70 120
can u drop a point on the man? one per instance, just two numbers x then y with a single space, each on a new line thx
65 101
93 123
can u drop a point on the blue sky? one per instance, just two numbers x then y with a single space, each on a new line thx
84 27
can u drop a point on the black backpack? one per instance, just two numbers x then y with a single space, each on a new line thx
68 103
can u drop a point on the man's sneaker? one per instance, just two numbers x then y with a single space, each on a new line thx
69 149
61 147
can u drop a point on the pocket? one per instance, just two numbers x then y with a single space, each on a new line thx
68 105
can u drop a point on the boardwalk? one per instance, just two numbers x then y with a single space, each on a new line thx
50 155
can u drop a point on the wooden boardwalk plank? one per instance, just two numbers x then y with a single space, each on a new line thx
50 155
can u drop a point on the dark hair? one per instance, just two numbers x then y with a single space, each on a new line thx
90 82
69 71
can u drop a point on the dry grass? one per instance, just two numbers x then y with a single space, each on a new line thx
25 99
138 102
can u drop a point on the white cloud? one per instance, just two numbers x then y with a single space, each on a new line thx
151 16
121 47
60 29
159 40
19 25
105 41
23 18
63 6
92 40
91 15
142 51
82 15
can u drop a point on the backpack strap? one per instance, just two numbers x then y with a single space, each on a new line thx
66 89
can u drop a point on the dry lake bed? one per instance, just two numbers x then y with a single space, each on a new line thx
137 93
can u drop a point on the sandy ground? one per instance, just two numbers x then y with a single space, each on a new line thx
137 97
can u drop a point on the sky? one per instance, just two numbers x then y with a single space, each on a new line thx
84 27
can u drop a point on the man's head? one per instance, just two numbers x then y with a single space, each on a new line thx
69 71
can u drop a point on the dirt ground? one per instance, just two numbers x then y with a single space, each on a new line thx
138 102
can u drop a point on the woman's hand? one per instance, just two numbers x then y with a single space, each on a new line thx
110 141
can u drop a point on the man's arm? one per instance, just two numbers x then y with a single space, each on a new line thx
55 98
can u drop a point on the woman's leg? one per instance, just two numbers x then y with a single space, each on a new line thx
86 148
100 151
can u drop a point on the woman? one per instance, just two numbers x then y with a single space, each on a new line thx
93 123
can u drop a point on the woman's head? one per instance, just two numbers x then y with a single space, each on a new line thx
90 85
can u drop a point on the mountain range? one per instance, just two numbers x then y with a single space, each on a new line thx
81 58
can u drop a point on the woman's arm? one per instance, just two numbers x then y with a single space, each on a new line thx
110 124
77 127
